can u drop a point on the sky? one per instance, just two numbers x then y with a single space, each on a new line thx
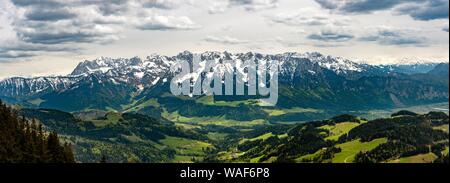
49 37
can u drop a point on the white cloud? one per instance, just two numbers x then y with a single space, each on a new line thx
218 7
445 27
161 22
87 24
58 22
163 4
225 40
288 43
309 17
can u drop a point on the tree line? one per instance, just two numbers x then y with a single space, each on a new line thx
25 141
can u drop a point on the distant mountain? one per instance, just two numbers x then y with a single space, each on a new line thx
18 87
415 68
440 70
309 80
122 109
92 92
133 71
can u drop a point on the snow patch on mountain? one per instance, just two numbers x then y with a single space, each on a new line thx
18 86
142 73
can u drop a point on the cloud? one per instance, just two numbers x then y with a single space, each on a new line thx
60 32
160 22
417 9
393 36
445 28
331 35
329 4
9 55
13 50
222 6
162 4
112 7
359 6
428 10
53 22
225 40
49 15
218 7
59 26
308 17
107 7
255 5
298 43
61 22
288 43
42 3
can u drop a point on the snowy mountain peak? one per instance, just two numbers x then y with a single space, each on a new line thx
142 73
417 61
18 86
337 64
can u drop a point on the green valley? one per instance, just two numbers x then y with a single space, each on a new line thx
155 130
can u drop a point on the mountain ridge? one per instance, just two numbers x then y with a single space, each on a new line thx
307 80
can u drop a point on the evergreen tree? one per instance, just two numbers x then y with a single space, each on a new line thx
22 141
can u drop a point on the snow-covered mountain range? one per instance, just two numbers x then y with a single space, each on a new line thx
306 72
150 70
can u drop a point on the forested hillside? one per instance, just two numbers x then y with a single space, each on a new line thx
123 137
23 141
406 137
